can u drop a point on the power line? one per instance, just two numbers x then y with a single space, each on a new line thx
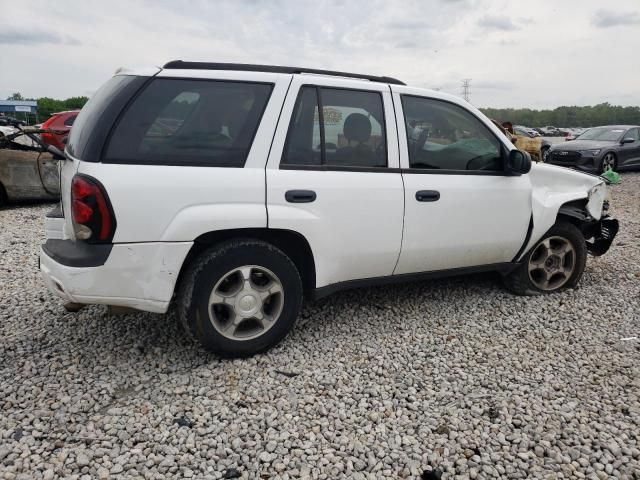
466 88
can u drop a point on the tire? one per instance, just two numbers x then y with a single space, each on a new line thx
609 159
240 298
536 269
543 153
3 196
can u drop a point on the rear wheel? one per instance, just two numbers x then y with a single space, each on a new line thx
554 264
240 298
609 161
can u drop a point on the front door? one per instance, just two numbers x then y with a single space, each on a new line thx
461 209
629 153
333 176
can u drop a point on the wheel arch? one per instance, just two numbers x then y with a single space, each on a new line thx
292 243
548 210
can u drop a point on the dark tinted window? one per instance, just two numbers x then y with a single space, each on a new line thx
303 139
444 136
70 120
349 133
96 117
190 122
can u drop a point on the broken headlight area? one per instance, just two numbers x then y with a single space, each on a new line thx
597 197
600 235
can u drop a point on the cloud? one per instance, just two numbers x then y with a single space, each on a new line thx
511 52
609 18
34 37
495 22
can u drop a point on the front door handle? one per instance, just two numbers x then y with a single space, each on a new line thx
300 196
427 195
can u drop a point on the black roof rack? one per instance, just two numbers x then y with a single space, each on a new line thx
244 67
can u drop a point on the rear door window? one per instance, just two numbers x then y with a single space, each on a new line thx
349 130
190 122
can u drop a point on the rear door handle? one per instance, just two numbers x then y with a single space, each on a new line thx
300 196
427 195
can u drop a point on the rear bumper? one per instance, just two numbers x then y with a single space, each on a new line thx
605 232
135 275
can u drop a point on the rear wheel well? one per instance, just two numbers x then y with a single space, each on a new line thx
293 244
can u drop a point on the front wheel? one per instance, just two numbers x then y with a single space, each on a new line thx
240 298
544 152
609 161
554 264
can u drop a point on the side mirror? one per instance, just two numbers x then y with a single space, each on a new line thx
627 140
518 162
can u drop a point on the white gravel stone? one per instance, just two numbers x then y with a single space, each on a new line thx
456 375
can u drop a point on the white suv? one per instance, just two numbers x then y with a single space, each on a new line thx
237 190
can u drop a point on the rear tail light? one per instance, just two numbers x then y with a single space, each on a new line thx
93 218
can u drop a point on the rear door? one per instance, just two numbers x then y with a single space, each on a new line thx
333 176
461 209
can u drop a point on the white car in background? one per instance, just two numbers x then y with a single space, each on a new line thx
237 190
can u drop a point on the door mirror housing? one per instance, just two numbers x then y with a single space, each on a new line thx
627 140
518 163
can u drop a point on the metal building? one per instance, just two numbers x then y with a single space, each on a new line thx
19 108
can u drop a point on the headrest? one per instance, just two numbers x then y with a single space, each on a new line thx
357 128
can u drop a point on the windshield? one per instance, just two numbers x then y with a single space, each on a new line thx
603 133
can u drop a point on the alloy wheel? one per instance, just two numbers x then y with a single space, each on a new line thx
552 263
608 162
246 302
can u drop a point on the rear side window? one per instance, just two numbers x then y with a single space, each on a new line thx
190 122
348 131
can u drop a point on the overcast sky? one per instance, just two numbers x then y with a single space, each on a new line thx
538 54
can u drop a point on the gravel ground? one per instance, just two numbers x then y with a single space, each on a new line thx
453 376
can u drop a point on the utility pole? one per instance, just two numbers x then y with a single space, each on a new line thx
466 88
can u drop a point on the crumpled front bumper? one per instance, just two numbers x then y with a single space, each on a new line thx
605 232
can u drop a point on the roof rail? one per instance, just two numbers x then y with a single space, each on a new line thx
244 67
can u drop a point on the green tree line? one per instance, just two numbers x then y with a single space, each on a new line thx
589 116
592 116
47 106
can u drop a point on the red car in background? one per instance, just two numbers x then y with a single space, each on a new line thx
61 123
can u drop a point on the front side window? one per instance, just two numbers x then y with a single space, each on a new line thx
190 122
347 131
444 136
633 133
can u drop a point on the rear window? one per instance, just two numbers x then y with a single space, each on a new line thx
92 124
70 120
190 122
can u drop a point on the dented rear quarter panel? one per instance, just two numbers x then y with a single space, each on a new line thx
552 187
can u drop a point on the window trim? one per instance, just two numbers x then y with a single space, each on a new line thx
323 167
168 163
422 171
